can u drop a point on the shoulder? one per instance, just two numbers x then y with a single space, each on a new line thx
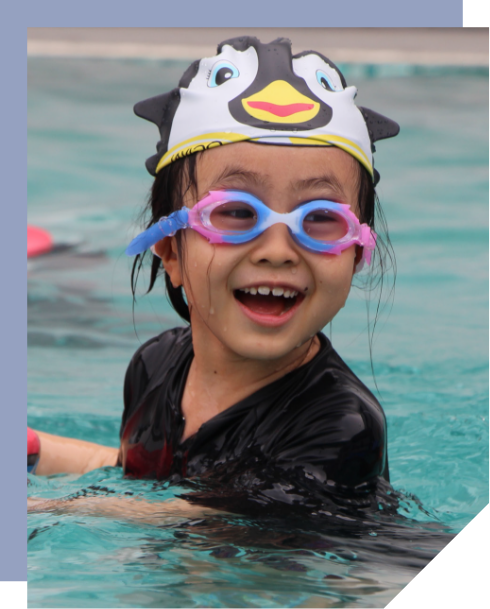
151 364
332 384
160 350
336 422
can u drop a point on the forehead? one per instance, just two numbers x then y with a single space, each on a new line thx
276 166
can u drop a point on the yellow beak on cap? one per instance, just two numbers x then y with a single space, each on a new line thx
279 102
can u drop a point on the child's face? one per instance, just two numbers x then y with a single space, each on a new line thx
214 275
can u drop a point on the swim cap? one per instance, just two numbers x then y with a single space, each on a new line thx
262 93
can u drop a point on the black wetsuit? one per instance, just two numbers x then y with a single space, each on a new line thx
315 437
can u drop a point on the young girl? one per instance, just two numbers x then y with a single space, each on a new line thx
262 210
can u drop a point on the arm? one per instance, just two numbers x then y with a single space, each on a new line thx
67 455
160 513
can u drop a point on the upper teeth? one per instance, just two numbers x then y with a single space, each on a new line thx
265 291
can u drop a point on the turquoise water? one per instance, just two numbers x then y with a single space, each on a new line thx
86 184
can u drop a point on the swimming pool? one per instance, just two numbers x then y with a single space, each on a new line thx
86 183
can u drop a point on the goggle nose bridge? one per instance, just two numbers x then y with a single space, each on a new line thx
290 219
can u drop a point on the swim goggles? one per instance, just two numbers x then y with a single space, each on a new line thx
232 216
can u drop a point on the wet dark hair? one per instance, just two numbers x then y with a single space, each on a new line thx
166 196
175 180
383 260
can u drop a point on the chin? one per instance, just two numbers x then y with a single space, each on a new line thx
267 348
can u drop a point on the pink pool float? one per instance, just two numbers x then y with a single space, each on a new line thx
39 241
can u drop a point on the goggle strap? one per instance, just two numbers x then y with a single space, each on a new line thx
177 220
167 226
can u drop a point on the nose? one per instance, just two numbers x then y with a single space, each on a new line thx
276 247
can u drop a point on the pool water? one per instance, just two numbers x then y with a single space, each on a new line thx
86 185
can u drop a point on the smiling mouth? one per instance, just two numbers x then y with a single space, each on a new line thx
262 301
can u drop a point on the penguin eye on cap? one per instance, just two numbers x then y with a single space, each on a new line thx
325 81
221 73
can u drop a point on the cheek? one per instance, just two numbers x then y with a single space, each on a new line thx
207 269
197 260
334 275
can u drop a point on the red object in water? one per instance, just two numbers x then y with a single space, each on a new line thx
33 450
33 444
39 241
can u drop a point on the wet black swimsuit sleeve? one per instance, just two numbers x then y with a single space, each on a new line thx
147 371
135 384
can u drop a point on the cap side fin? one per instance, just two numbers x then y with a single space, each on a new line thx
379 127
161 111
153 109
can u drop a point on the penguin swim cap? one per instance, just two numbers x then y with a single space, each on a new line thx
258 92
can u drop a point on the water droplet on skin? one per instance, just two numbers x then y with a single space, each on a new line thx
294 271
211 311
